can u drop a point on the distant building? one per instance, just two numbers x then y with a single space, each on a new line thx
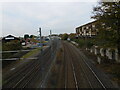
87 30
9 38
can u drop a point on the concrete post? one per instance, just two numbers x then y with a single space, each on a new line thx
99 60
101 52
116 56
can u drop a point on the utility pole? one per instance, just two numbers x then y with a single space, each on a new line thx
50 36
51 42
40 38
85 40
41 57
50 39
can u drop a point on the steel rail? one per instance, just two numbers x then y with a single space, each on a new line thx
21 70
86 77
26 69
84 73
46 64
75 77
15 51
73 69
42 84
16 59
94 74
66 69
16 74
34 69
29 79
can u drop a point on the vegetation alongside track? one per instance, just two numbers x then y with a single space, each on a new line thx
31 52
113 70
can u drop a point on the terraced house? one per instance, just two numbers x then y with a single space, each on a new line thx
87 30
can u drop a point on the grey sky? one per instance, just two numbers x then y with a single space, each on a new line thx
19 18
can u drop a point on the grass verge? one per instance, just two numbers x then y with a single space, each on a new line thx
31 53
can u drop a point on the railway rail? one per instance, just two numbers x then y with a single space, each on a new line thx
14 79
78 71
70 75
81 69
100 79
32 74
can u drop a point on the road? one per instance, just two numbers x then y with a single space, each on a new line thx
77 71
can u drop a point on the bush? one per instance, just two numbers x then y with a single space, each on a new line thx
13 45
84 43
64 36
9 46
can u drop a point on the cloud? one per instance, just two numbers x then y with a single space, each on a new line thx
21 18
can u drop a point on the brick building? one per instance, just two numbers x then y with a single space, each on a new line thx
87 30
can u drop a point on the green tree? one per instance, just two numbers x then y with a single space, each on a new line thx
64 36
33 36
72 36
13 45
26 36
107 15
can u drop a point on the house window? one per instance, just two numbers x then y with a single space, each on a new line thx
93 26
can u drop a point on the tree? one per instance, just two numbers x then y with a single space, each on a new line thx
64 36
72 36
107 15
33 36
12 45
26 36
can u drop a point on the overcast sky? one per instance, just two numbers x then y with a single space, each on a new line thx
19 18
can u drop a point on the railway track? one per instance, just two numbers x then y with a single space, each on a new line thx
78 72
70 75
23 73
102 79
92 80
32 74
90 77
55 46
